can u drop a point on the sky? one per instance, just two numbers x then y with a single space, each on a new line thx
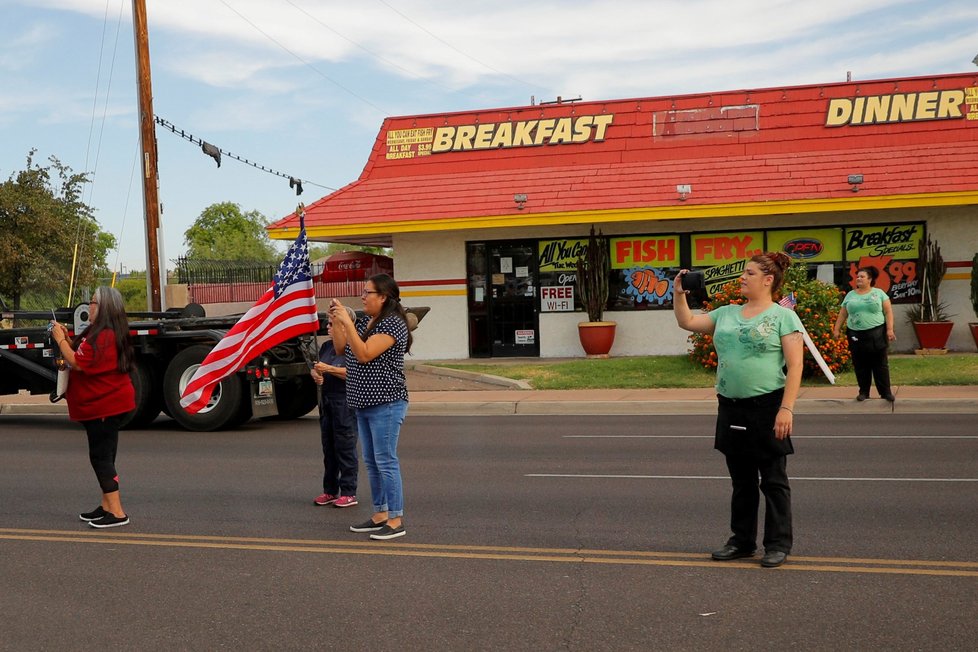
301 87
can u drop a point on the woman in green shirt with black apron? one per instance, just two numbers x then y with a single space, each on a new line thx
755 342
868 316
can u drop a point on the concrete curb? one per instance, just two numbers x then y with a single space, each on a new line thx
34 408
488 379
530 407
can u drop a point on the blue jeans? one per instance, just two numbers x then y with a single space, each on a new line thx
380 427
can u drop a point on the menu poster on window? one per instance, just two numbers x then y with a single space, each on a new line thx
892 249
561 255
712 249
644 251
716 277
898 278
808 245
898 241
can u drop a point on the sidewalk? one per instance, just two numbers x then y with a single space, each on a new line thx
441 391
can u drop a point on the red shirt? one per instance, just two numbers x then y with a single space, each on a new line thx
96 387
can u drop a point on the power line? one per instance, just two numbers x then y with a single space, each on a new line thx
393 64
314 68
216 152
464 54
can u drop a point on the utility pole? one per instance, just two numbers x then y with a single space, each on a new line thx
147 145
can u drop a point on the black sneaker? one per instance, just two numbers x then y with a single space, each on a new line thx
93 515
109 520
368 526
388 532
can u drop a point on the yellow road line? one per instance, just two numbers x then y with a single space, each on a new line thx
564 555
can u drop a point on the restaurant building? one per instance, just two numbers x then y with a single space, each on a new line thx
487 211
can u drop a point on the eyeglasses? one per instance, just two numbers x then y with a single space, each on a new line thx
366 292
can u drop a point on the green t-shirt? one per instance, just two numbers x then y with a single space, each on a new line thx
865 310
750 359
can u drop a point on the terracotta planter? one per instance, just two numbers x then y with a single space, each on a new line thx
974 332
597 337
933 334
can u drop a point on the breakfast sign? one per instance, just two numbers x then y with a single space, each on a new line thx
425 141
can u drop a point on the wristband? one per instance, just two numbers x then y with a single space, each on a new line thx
787 408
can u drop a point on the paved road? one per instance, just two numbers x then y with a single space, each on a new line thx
525 533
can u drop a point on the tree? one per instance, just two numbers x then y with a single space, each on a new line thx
223 232
45 226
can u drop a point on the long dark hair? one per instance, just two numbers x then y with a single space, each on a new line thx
111 315
387 287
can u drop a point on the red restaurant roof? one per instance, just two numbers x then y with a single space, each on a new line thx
748 152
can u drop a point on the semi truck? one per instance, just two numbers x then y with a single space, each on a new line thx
169 347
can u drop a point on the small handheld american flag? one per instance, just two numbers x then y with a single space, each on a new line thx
788 301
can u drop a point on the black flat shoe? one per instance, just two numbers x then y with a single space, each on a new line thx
862 397
729 552
890 397
773 558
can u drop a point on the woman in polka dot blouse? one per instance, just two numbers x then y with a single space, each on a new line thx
374 346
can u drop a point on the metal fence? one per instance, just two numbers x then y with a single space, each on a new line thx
221 281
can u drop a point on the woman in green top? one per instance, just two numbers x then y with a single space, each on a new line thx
868 316
755 342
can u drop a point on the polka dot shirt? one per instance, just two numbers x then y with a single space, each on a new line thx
382 379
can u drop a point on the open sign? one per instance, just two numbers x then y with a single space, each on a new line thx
803 247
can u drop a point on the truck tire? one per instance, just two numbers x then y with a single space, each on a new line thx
224 409
149 399
295 398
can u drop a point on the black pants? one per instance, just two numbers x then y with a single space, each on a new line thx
338 427
773 473
103 443
870 365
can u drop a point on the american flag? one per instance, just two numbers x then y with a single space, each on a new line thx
788 301
287 309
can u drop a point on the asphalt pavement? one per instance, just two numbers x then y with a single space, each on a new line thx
543 533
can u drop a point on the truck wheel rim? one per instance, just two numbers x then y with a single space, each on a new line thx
215 398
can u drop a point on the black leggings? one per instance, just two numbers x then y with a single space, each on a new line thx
103 442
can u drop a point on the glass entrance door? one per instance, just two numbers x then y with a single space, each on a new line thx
514 320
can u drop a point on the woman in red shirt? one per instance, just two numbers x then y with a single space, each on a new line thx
100 393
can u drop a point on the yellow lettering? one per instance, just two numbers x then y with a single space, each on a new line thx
463 138
444 137
926 106
483 136
524 133
504 135
544 129
601 123
562 132
582 128
857 110
877 109
902 107
840 112
950 106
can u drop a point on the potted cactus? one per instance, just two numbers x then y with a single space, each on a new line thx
593 272
931 323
